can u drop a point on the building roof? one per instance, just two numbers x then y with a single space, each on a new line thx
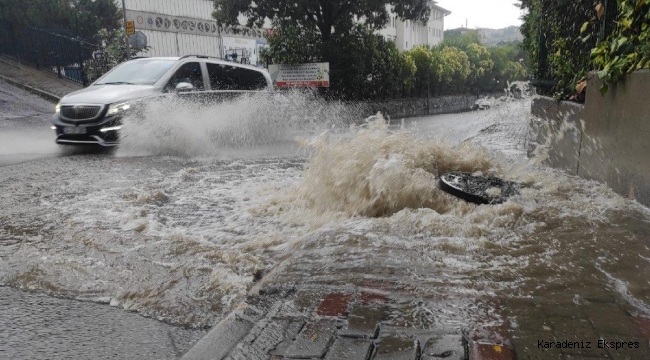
434 5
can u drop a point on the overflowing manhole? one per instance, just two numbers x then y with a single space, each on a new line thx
478 189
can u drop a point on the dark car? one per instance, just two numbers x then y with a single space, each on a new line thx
93 115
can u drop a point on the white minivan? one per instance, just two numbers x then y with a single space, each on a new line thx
93 115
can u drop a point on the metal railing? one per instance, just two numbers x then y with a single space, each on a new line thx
64 56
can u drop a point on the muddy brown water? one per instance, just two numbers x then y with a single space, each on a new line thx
183 238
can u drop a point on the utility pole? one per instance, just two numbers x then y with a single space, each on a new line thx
126 36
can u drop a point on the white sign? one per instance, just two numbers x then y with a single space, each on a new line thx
98 54
301 75
180 24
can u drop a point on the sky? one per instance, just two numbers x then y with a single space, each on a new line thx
493 14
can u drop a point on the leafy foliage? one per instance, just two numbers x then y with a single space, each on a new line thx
326 17
610 37
628 48
82 18
509 62
423 59
552 37
480 61
114 53
453 68
292 45
363 65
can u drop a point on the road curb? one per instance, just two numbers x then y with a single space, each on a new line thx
43 94
221 339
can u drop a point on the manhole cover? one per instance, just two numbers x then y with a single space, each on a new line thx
478 189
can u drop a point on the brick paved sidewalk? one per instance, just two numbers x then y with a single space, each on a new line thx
324 323
30 78
354 323
509 133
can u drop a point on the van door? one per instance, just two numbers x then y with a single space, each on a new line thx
188 81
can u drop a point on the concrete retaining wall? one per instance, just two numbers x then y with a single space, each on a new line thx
556 132
604 140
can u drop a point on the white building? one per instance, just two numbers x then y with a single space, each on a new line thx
177 28
408 34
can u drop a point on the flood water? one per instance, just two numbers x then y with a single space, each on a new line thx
179 223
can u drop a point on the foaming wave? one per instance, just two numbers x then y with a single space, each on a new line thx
378 173
181 127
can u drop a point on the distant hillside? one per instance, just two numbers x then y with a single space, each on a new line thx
491 37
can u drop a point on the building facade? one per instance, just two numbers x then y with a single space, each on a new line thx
178 28
408 34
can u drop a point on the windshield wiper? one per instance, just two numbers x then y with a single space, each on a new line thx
116 83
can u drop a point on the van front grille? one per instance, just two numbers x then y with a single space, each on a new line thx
80 112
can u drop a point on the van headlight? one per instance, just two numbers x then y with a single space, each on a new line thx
116 109
57 108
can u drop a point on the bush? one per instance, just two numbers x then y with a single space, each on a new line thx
566 39
628 47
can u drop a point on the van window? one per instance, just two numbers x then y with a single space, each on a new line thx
190 73
140 72
227 77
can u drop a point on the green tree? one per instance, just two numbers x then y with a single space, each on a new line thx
364 65
508 66
406 72
114 53
453 68
461 38
90 16
292 45
326 17
481 65
82 18
424 65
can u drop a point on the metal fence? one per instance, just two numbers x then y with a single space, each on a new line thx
65 56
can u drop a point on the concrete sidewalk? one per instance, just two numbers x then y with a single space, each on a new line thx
44 84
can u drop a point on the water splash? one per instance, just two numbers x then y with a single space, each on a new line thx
181 127
378 172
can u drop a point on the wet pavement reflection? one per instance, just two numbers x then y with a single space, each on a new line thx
36 326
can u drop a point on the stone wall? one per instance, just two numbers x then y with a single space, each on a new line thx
399 108
604 140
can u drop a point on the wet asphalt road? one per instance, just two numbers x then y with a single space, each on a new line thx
25 133
35 326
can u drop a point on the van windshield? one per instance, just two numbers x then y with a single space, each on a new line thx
137 72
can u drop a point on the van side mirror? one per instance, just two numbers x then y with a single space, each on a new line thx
184 86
